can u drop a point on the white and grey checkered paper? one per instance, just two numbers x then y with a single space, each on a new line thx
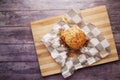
97 48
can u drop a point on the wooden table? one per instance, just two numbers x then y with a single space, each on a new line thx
18 60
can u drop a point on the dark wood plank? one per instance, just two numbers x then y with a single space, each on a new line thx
117 38
19 71
19 67
17 52
118 49
113 4
30 71
109 71
23 18
21 76
46 4
16 35
114 14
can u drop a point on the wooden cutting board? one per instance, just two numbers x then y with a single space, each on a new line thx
97 16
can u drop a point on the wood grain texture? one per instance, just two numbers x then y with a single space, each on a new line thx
15 35
46 4
30 71
19 71
97 16
17 52
19 13
23 18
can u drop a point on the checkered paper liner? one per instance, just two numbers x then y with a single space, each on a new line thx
97 48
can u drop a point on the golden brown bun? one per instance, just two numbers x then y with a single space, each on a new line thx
74 37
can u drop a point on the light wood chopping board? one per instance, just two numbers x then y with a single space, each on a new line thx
97 16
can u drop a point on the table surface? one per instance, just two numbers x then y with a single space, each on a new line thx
18 60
